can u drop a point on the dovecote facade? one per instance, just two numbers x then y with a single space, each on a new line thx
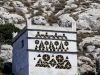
45 50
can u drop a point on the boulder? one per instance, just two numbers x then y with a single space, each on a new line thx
97 51
73 6
42 4
42 0
89 18
66 21
54 1
79 62
87 68
19 6
12 18
6 47
93 40
90 48
3 11
6 53
94 5
69 2
85 65
6 4
84 59
81 70
1 21
39 20
82 24
96 42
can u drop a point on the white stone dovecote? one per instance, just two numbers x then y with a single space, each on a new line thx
45 50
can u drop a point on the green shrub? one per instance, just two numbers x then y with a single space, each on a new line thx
6 31
62 1
27 4
20 22
1 65
20 13
40 12
78 2
52 19
11 4
85 46
48 9
98 31
75 17
12 10
80 53
81 36
58 7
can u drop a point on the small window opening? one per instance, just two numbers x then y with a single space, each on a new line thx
22 42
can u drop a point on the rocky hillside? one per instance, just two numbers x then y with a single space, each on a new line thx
84 13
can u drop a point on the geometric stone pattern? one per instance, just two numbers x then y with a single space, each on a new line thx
46 36
51 46
58 62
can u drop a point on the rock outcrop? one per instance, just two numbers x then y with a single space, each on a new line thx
84 13
89 19
39 20
6 53
66 21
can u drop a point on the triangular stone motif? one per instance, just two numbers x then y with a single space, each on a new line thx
39 63
39 55
67 64
46 35
51 46
41 46
61 47
64 37
38 35
36 47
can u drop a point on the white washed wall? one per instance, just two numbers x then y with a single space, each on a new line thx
72 45
69 35
33 70
71 39
33 54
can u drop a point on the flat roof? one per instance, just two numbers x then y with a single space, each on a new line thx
29 26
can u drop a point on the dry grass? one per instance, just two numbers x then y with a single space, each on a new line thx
51 19
1 73
58 7
80 53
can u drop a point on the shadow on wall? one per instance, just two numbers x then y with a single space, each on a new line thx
98 73
89 73
8 68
